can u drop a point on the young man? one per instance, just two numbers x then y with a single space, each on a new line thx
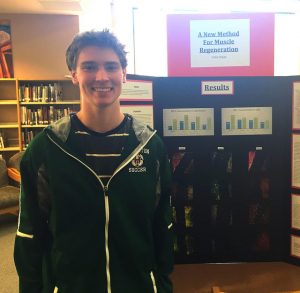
95 209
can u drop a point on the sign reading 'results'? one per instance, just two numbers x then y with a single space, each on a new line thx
223 87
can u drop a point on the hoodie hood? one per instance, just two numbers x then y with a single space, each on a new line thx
62 127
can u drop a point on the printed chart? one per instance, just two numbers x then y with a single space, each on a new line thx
247 121
188 122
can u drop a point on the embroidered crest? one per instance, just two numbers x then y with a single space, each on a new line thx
138 161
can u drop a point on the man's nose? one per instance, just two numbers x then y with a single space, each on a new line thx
101 74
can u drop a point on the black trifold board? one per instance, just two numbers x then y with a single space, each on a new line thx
251 221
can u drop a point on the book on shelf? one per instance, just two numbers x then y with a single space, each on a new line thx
51 92
44 115
2 143
27 135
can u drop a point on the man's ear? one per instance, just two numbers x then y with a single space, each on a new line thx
74 77
124 75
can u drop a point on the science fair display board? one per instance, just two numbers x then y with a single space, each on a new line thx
233 147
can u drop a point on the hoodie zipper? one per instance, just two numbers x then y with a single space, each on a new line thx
153 282
106 199
106 202
106 238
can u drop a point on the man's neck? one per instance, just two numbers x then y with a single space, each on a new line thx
101 120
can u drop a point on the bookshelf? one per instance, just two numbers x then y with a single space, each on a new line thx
27 106
9 117
42 102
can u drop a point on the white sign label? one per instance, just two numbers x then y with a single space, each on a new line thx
217 87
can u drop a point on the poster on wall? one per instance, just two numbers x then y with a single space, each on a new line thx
188 122
295 208
296 105
247 121
137 90
143 113
234 44
296 160
6 61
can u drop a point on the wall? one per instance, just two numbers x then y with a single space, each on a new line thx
152 59
39 43
147 44
287 44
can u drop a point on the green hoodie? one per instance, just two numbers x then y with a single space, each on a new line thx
76 235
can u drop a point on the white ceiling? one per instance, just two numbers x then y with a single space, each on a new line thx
42 6
77 7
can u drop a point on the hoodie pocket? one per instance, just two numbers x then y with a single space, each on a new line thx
153 282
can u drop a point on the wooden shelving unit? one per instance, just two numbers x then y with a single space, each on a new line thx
14 132
9 117
71 102
42 102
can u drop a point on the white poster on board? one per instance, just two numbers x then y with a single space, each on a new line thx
295 245
137 90
295 203
220 42
296 160
143 113
296 105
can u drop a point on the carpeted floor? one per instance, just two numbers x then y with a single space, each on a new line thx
264 277
8 275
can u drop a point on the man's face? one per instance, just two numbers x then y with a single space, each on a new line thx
99 75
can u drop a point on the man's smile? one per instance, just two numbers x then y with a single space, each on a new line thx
102 89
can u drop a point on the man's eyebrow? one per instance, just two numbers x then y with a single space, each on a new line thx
112 62
94 62
88 62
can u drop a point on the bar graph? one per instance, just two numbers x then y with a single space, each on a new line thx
247 121
188 122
